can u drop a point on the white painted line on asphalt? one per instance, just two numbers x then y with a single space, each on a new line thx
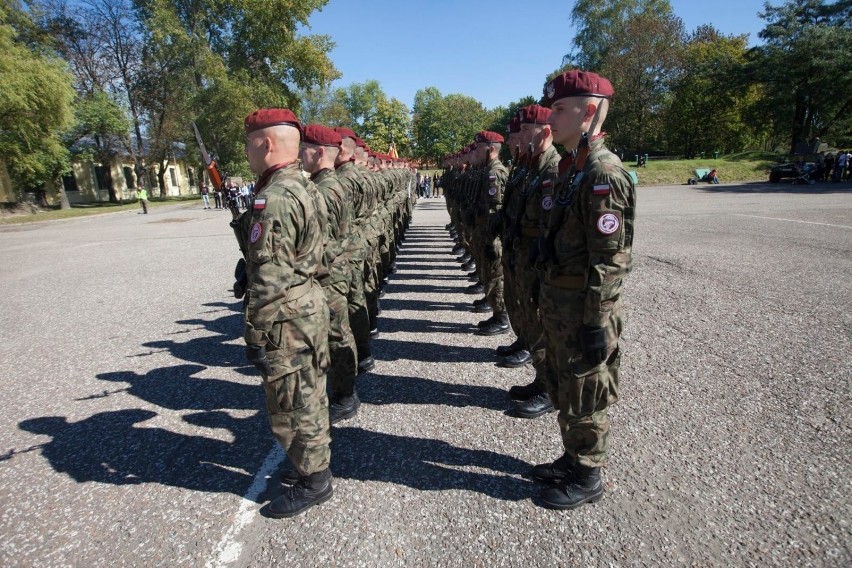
228 550
793 221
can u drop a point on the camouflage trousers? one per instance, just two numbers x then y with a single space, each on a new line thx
526 280
295 389
490 267
371 274
580 392
341 342
510 299
359 320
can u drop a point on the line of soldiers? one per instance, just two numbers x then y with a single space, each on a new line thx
318 244
549 244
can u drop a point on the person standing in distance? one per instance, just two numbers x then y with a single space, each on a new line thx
286 315
585 254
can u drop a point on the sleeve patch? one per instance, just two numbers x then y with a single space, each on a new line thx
256 232
601 189
259 204
608 223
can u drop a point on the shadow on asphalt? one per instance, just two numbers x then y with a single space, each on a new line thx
384 389
426 464
117 447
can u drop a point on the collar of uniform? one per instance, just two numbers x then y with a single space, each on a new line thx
545 157
321 174
263 181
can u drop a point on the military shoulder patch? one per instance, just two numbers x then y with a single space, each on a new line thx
259 204
256 232
600 189
608 223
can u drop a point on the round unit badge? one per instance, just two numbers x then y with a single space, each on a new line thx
547 203
608 223
257 230
492 190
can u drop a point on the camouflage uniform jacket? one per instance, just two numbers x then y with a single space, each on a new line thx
338 230
283 244
591 228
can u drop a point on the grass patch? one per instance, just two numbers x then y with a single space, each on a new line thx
23 214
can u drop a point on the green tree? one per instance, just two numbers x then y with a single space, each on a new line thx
642 71
708 98
804 68
390 122
36 96
601 25
425 124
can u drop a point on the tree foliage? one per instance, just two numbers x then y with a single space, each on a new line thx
444 124
601 25
706 104
642 64
36 96
804 69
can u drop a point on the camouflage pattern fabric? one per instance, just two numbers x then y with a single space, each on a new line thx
591 229
286 311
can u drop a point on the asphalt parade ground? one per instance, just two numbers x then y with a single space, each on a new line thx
133 431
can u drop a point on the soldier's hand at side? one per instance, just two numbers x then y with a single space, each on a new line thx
593 343
256 354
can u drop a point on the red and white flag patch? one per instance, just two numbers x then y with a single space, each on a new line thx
259 204
601 189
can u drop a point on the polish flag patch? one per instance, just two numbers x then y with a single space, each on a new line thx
546 183
259 204
601 189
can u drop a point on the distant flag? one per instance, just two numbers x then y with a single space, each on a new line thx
392 151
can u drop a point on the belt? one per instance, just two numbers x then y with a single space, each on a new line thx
567 281
530 231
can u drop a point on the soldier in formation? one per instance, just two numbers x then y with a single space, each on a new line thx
565 224
317 249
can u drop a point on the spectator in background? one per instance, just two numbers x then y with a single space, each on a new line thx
142 193
427 187
205 195
713 177
840 165
828 165
217 196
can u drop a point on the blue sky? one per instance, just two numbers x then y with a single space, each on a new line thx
461 46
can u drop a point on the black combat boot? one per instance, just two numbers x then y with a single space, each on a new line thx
469 266
473 277
290 476
517 359
537 405
343 408
477 289
481 306
465 258
366 364
553 473
310 490
583 485
506 350
497 324
523 392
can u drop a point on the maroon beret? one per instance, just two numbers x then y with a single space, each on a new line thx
577 84
320 135
488 136
514 125
345 132
534 114
266 117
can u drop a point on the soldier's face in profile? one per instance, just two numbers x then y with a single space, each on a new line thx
566 120
310 157
256 149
